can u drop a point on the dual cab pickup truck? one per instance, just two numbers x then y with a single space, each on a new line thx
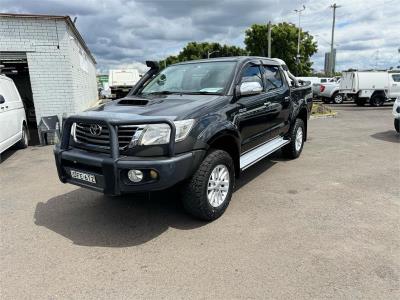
197 124
329 92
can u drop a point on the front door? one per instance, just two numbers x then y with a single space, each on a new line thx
251 118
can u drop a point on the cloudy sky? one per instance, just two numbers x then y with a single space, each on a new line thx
126 32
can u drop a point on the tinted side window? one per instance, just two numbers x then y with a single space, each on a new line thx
396 77
272 77
252 73
323 80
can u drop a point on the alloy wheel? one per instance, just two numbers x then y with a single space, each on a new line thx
218 185
299 139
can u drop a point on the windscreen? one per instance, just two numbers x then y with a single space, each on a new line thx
203 78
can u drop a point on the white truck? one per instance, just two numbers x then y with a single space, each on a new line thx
121 81
315 83
374 87
329 92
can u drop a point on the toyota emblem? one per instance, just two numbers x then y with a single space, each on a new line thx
95 129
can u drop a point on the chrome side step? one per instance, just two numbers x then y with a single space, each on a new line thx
255 155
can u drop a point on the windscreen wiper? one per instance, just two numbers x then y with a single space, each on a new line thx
202 93
162 93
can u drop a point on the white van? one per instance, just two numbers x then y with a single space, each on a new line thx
13 126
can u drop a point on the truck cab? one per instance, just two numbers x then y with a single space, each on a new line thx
121 81
198 124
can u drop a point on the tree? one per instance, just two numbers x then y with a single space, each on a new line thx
194 50
284 45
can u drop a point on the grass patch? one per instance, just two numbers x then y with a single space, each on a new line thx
322 110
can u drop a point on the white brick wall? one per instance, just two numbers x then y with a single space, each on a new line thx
59 85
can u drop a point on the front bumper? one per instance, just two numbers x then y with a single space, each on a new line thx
110 170
111 175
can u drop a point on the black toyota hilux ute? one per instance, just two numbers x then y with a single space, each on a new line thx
197 124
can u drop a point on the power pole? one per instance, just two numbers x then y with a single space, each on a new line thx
332 67
269 39
299 11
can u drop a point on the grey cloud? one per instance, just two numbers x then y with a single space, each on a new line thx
120 32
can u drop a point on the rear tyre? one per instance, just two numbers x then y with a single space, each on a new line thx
23 143
296 135
207 194
377 100
337 98
397 124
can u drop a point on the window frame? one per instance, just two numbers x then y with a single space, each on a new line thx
397 75
283 80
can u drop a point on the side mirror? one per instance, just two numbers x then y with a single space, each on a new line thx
2 100
250 88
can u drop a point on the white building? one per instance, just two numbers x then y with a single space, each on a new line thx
50 63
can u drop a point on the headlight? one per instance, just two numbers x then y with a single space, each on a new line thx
158 134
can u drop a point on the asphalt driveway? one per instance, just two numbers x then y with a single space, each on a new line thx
326 225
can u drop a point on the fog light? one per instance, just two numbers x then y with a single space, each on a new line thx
153 174
135 175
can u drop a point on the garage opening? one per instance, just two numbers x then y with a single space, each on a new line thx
15 66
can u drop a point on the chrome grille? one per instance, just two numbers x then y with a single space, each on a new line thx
86 137
125 134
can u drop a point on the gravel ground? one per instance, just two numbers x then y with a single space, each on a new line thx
326 225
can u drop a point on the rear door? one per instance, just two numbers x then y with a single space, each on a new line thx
348 82
278 104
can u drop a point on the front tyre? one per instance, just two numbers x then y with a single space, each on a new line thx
296 136
207 194
23 143
397 124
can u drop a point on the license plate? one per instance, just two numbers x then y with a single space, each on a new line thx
83 176
125 90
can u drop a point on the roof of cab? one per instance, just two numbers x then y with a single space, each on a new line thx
240 59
